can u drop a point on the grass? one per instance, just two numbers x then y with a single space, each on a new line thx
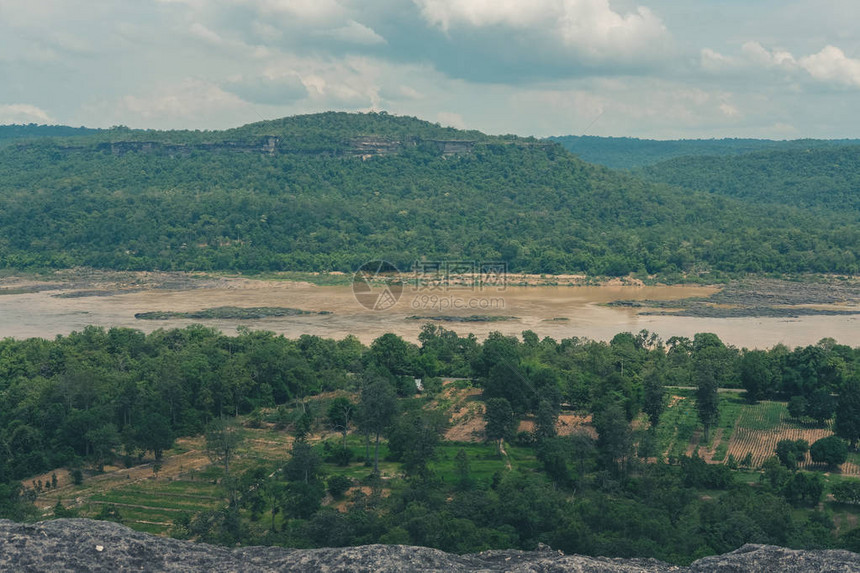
677 425
762 416
731 408
152 506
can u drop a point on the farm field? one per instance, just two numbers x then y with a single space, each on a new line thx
743 429
188 483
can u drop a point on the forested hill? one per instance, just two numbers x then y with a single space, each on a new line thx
31 130
333 190
826 178
630 152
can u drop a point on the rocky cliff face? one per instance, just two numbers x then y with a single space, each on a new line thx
83 545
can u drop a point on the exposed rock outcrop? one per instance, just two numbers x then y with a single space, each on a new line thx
81 545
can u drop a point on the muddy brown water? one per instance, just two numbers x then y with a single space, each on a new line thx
559 312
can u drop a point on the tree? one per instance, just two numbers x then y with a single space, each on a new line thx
223 439
804 488
757 375
154 434
790 452
545 421
304 464
614 438
414 437
340 414
820 406
462 469
712 368
707 402
797 407
104 440
501 423
394 354
654 396
377 408
831 450
847 425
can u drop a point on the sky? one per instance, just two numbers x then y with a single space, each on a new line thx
658 69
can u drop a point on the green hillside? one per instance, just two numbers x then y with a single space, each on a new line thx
331 191
824 178
630 152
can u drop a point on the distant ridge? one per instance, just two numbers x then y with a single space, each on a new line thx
331 191
630 152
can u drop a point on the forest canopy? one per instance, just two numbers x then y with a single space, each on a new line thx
328 192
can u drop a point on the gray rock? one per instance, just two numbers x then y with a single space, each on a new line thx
83 545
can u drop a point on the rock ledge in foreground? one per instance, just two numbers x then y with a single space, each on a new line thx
83 545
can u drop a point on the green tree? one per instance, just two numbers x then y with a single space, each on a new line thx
154 434
797 407
831 450
103 440
820 406
791 452
414 437
340 415
847 425
545 421
757 375
654 396
614 438
223 439
304 464
377 408
500 421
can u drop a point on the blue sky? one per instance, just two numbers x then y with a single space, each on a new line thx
655 68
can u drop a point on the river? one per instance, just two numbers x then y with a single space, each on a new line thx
556 311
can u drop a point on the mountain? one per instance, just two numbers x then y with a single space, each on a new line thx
86 545
630 152
331 191
824 178
31 130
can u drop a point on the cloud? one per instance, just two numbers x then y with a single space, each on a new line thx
184 104
758 54
450 119
832 65
589 29
355 33
269 89
23 113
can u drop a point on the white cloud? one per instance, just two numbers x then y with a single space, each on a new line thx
760 55
832 65
200 31
23 113
829 65
714 61
355 33
183 104
729 110
451 119
590 27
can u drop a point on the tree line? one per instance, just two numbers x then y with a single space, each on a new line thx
100 396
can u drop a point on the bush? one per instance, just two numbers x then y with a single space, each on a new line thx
338 485
846 491
339 455
77 476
